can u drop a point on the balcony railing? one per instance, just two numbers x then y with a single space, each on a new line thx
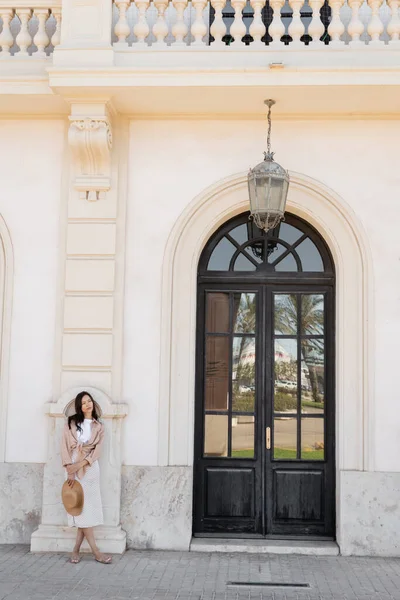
33 29
255 23
30 29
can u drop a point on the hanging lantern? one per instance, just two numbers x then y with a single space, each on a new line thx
268 187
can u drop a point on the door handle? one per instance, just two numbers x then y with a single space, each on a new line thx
268 438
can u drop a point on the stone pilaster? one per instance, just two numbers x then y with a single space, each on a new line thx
89 349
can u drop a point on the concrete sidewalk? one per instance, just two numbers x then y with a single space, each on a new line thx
162 575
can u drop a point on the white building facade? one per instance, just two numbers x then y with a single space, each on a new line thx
127 130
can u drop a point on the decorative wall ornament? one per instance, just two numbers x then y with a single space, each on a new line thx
90 139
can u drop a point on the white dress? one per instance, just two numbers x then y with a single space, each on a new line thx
92 513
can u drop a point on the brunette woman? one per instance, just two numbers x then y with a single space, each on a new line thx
81 446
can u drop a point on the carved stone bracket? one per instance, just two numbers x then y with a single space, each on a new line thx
90 139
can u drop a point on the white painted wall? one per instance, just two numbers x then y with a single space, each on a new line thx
172 161
30 187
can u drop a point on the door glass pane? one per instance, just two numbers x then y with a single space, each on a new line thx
312 314
221 256
312 376
285 437
309 255
216 435
288 233
240 234
285 388
242 263
274 250
243 436
285 314
287 264
244 313
312 439
217 319
217 373
243 374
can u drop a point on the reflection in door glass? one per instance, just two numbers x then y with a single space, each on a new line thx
217 370
243 436
216 435
285 312
243 374
312 375
285 388
217 320
312 439
285 437
312 314
244 312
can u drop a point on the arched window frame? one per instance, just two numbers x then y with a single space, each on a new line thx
308 231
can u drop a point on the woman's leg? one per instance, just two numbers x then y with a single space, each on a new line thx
89 535
75 558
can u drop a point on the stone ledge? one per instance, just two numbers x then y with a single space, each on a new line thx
308 548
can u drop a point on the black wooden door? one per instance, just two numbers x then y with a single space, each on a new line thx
264 430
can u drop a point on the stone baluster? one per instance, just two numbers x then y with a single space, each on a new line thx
141 29
277 28
238 28
316 27
218 27
257 28
296 27
393 27
375 26
41 39
179 28
336 27
160 27
355 27
6 37
199 28
122 29
56 37
24 39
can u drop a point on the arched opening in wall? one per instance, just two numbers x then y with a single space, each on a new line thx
264 453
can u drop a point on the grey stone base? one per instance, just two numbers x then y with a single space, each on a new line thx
156 507
21 488
369 521
53 538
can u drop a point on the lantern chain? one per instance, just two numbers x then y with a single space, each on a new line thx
269 103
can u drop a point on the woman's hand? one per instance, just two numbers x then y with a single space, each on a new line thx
72 469
71 480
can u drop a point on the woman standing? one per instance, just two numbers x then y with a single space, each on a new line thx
81 446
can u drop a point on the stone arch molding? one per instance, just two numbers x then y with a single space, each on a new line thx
6 293
53 533
339 226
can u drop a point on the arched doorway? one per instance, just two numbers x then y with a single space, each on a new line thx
264 455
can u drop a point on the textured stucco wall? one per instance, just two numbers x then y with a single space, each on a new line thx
156 507
21 489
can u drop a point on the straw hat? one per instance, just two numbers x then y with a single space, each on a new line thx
72 498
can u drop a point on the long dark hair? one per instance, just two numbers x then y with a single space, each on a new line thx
79 417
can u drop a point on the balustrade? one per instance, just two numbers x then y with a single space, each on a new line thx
33 31
256 23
